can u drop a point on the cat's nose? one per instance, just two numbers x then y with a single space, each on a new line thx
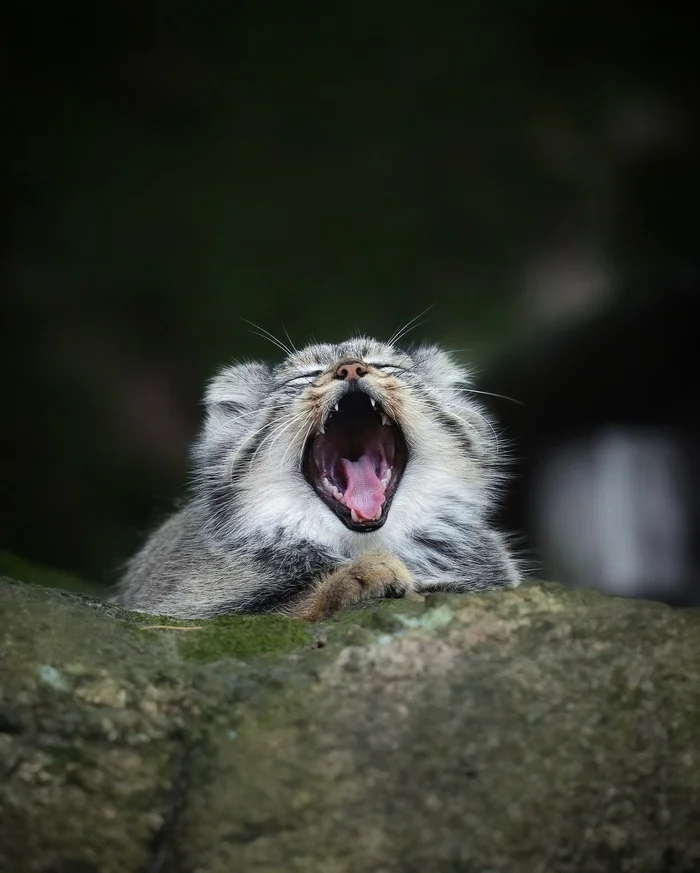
351 371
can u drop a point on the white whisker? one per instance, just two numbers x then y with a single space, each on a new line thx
278 433
234 458
291 343
493 394
486 422
274 342
304 441
265 334
291 444
410 325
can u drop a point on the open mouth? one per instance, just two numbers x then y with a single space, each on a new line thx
356 464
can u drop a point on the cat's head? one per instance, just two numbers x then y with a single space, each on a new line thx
341 435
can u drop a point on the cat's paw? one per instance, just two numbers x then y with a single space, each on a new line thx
372 576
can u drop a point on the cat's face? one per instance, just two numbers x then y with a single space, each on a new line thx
348 428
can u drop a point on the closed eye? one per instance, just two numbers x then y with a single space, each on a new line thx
304 378
390 368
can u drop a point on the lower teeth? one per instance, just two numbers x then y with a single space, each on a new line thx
332 490
356 518
336 494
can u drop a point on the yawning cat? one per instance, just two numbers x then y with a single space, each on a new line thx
347 472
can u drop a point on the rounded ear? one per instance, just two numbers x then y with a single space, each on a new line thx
238 388
452 380
231 399
439 367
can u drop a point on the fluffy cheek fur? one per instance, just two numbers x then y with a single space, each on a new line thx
255 536
444 485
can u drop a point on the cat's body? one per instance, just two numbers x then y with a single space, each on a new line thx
347 472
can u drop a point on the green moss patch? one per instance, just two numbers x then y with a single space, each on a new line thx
240 636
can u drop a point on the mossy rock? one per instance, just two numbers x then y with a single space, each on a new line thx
539 729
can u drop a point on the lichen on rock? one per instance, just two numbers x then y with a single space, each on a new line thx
539 729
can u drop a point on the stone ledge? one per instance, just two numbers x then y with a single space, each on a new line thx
539 729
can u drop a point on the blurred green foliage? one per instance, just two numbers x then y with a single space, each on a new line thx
18 568
170 169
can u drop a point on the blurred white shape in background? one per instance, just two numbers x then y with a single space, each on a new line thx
611 512
567 282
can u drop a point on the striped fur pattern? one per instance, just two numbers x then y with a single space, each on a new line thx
254 537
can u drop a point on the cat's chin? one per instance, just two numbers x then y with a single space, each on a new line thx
355 463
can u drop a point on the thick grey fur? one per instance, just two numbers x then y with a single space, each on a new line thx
255 537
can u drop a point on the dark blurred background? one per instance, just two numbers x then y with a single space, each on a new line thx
533 170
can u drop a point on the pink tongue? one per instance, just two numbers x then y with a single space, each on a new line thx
365 493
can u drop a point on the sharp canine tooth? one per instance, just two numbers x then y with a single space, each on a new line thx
385 478
354 516
385 419
335 408
373 402
321 429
